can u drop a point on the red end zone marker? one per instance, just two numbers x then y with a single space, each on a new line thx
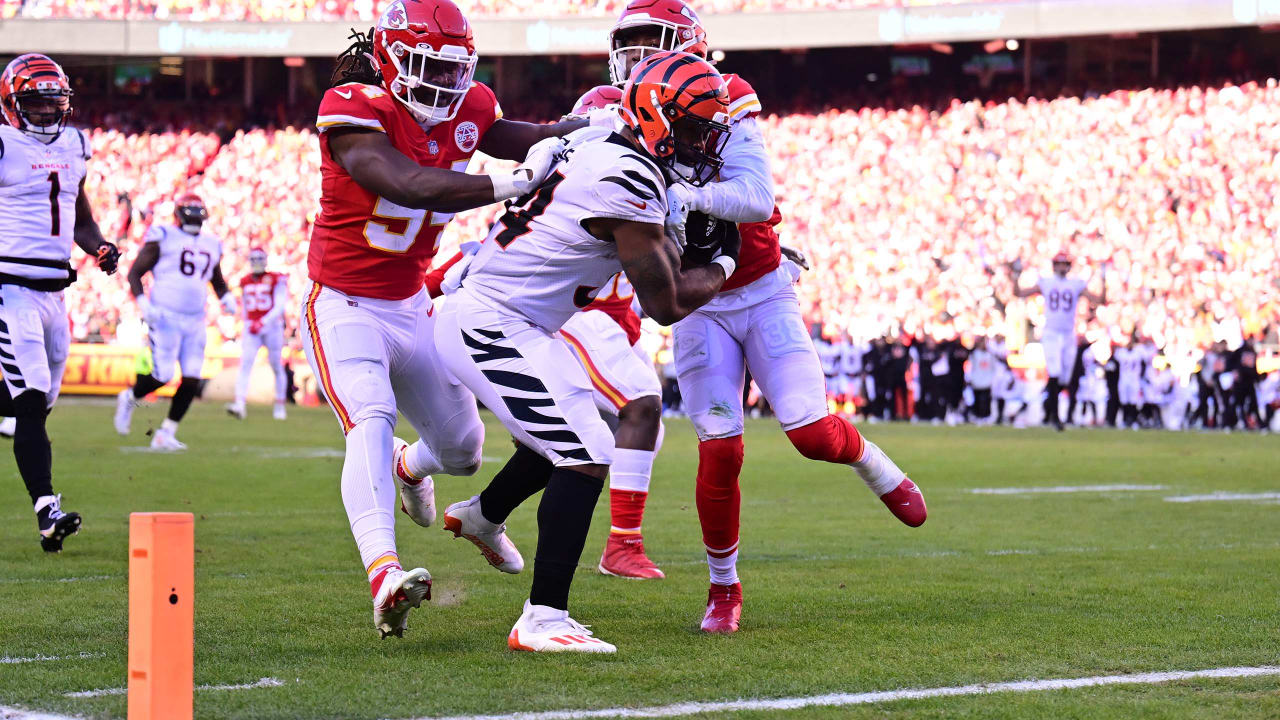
161 615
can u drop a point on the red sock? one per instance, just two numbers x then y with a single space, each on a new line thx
831 439
626 511
719 500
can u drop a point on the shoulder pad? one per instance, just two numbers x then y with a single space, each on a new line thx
352 105
743 101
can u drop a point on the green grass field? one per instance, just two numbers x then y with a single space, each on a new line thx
840 597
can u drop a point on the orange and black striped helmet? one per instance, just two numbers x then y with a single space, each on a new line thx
678 107
35 80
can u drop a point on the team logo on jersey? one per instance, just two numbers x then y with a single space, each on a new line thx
433 147
395 17
467 135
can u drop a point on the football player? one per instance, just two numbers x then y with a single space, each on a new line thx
397 130
602 211
754 323
43 210
1061 296
182 258
263 296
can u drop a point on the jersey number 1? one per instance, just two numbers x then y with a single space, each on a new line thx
55 218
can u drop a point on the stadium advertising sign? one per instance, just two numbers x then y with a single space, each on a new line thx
176 38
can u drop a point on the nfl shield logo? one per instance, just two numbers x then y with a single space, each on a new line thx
433 147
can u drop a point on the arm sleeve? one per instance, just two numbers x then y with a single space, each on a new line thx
745 190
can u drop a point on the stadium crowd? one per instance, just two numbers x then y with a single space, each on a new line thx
363 10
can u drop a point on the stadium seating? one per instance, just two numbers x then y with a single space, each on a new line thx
364 10
911 217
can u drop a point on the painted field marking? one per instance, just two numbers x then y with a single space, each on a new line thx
13 713
867 698
1063 489
1218 496
6 660
86 578
265 682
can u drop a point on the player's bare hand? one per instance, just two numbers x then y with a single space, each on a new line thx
795 256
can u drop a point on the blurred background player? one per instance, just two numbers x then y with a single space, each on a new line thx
43 209
398 127
1061 295
263 296
182 258
754 324
1133 362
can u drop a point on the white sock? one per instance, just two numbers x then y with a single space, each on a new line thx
420 460
877 470
368 492
724 570
631 470
169 426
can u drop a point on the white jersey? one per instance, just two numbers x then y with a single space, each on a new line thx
829 356
1131 361
1061 295
180 279
538 261
39 185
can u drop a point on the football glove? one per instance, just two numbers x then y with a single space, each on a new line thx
795 256
108 258
454 276
537 165
677 213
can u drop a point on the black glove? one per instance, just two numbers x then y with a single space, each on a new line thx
707 237
108 258
795 256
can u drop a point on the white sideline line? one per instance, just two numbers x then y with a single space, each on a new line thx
1224 496
1063 489
86 578
6 660
265 682
866 698
13 713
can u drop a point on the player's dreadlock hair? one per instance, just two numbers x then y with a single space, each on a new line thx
355 64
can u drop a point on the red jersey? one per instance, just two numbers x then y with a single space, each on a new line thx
258 293
761 252
366 245
614 300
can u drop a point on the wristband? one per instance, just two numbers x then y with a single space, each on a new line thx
726 263
504 186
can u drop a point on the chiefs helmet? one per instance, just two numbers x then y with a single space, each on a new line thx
35 96
426 55
647 26
257 260
678 107
190 212
1062 257
601 96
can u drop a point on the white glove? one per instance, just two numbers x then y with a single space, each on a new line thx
678 209
228 303
453 277
149 315
605 117
537 165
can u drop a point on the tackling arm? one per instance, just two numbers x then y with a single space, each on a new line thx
745 191
374 163
666 293
511 139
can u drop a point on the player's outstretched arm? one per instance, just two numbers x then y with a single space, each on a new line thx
666 293
1022 292
88 235
511 139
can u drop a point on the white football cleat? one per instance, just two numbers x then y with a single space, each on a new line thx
278 413
545 629
417 500
463 519
8 426
124 410
236 410
164 440
399 593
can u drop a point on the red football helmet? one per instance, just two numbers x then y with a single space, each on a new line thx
426 55
190 212
600 96
1062 257
647 26
678 107
35 96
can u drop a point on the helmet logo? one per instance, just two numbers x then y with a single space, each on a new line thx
467 136
395 17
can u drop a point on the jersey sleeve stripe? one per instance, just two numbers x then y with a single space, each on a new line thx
743 106
327 121
647 182
626 185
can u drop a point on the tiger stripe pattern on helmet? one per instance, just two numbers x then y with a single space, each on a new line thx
34 76
669 87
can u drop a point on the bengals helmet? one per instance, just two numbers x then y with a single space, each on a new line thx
257 260
190 212
35 96
678 107
426 55
601 96
647 26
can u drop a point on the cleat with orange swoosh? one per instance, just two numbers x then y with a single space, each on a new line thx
463 519
546 629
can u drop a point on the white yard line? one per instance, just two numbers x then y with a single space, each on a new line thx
1063 489
6 660
13 713
265 682
866 698
86 578
1223 496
